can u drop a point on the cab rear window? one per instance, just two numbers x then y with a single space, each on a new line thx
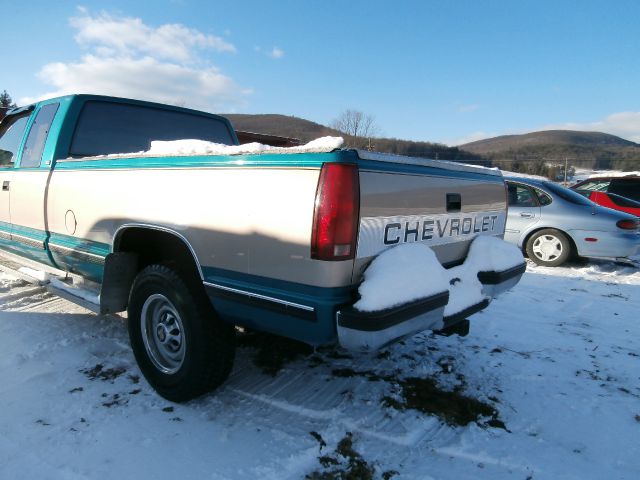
106 128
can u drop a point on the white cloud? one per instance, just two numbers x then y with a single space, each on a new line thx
621 124
128 58
130 36
276 53
143 78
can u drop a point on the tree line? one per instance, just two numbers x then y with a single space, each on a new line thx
360 130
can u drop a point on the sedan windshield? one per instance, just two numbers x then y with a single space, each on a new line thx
568 195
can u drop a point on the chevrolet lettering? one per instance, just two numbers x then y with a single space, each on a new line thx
427 229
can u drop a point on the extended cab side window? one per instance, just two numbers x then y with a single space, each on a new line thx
106 128
11 133
32 154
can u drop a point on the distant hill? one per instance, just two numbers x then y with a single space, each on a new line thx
594 150
305 131
584 149
282 125
546 138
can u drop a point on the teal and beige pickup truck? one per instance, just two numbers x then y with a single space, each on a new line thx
193 244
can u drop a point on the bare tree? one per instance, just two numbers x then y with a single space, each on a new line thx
356 124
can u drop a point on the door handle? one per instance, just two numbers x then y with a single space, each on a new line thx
526 215
5 186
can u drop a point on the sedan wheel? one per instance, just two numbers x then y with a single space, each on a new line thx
549 248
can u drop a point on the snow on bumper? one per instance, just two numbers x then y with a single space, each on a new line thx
368 331
406 290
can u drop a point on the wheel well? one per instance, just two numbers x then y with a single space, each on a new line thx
574 249
158 247
135 248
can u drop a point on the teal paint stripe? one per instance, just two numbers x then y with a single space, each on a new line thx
80 244
29 232
291 160
282 289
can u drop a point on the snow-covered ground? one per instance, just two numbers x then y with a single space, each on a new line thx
548 381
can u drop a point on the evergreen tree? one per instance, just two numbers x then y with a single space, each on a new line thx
6 101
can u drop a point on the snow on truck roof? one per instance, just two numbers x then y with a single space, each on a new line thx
192 147
189 147
202 147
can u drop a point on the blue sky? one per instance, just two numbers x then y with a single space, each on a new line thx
446 71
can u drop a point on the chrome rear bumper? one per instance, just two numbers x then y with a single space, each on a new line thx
369 331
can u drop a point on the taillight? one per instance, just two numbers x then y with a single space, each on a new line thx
628 224
335 217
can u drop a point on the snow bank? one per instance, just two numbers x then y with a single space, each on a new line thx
37 274
412 271
87 295
613 173
587 173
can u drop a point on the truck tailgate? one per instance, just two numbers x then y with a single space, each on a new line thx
441 204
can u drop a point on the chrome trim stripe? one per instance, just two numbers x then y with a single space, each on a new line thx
75 251
123 227
261 297
27 240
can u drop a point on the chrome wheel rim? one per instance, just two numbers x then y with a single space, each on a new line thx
163 333
547 248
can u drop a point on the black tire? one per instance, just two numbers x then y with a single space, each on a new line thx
549 247
182 348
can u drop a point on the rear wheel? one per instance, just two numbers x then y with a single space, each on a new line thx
549 247
183 349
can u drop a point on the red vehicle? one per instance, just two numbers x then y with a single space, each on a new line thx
611 200
620 192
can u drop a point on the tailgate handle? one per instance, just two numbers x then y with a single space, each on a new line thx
454 202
